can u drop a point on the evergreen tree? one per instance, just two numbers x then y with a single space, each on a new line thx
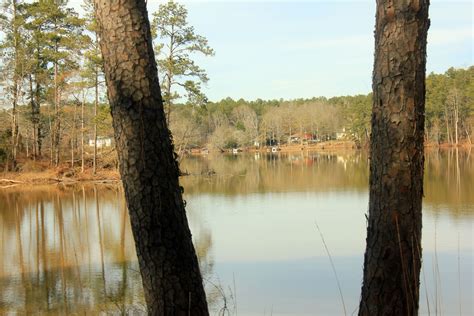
12 57
93 67
58 32
176 41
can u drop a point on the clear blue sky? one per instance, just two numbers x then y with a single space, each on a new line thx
290 49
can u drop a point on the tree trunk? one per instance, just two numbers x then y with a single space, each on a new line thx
14 126
96 103
33 117
393 254
57 119
169 267
27 143
15 87
73 137
82 130
37 110
456 116
169 78
446 120
51 140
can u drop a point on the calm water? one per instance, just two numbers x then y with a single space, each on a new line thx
69 249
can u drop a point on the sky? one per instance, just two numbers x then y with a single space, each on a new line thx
303 49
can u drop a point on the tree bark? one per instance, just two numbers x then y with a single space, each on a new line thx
168 263
393 254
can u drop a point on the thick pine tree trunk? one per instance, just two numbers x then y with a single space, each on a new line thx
168 263
393 254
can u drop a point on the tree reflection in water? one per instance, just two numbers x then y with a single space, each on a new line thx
69 249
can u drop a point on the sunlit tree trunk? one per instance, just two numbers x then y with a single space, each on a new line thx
73 136
36 115
393 254
14 126
15 85
27 143
57 121
168 263
169 77
446 120
96 103
82 130
51 140
456 115
33 118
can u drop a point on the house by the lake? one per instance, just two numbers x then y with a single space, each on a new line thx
102 141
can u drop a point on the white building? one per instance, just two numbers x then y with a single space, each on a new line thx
341 135
101 142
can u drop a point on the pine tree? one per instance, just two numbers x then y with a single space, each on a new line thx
169 266
392 260
176 41
57 32
94 67
13 59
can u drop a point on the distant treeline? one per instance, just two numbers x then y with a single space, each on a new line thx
239 123
53 105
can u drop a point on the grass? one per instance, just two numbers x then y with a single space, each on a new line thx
333 268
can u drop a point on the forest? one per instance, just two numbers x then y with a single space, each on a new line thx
53 106
116 88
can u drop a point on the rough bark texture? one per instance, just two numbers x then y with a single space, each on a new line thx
168 263
393 255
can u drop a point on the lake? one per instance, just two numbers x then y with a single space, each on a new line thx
68 249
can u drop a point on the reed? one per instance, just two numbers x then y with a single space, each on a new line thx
333 268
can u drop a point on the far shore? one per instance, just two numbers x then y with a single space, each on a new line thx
43 174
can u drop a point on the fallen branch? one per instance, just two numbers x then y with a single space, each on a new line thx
11 181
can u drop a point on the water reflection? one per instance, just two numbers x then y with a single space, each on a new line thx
448 175
449 181
243 174
69 249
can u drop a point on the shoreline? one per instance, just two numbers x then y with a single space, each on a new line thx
55 176
65 175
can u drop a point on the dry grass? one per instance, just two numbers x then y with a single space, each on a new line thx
40 173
